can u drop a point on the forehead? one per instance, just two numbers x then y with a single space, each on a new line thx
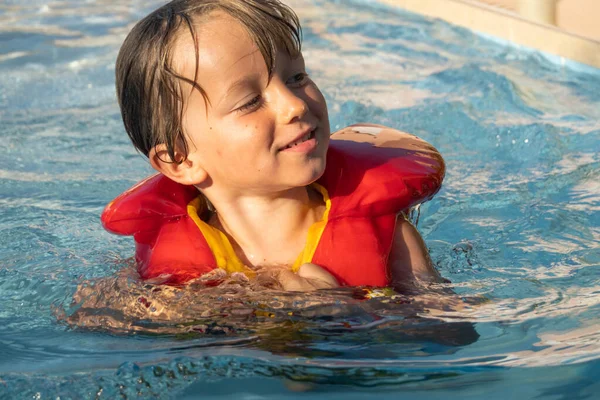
224 50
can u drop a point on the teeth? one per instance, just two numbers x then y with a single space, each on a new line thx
302 139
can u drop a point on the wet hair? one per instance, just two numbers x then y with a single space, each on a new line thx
149 90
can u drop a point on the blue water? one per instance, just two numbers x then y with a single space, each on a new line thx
516 227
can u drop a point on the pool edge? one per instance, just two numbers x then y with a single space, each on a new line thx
496 22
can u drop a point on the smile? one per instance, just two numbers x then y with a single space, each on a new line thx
308 136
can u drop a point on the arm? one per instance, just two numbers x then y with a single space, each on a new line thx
309 277
410 267
409 260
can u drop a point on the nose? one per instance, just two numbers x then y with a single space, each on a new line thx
289 107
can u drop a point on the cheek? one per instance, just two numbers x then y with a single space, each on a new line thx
316 101
243 139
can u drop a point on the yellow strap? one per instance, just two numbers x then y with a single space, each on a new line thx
314 232
217 241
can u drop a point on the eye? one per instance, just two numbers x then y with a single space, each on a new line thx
298 79
251 105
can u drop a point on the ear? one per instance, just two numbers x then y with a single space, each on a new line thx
187 172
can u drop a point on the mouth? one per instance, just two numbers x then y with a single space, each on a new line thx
308 136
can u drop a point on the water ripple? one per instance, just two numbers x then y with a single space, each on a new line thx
515 227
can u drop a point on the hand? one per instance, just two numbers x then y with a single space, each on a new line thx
308 278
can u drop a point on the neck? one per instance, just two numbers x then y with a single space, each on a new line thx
267 229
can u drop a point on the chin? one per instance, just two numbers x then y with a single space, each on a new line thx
316 171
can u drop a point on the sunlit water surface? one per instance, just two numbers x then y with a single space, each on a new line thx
516 227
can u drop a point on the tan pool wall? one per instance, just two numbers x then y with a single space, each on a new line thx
580 17
576 35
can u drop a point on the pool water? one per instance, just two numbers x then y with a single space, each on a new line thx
516 227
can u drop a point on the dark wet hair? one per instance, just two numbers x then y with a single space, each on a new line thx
149 90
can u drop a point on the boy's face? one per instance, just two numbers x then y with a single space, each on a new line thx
244 136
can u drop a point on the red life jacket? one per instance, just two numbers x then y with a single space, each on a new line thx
365 186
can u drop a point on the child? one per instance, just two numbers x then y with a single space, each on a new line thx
215 93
